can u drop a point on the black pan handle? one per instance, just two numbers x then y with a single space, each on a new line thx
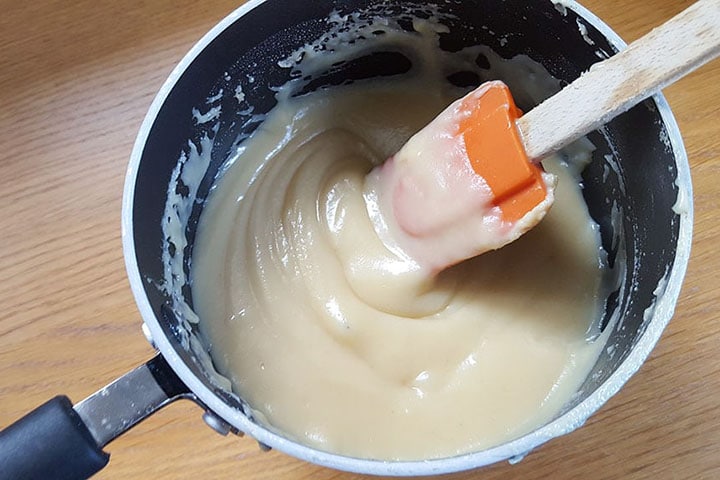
64 442
50 442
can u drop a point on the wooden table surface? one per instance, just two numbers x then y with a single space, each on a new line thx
76 79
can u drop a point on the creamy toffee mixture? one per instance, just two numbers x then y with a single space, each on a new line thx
394 362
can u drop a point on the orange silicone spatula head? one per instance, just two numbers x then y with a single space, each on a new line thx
496 151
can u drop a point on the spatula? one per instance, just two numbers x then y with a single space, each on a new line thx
433 217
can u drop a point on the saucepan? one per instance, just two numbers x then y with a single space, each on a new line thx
637 188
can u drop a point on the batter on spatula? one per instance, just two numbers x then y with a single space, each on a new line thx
440 198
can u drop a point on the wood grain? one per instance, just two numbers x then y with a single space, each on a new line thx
76 78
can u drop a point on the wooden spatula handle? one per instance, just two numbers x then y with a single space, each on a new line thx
612 86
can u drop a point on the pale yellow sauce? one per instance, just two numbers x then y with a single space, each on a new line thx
395 365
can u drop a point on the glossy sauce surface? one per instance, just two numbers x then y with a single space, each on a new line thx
385 363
